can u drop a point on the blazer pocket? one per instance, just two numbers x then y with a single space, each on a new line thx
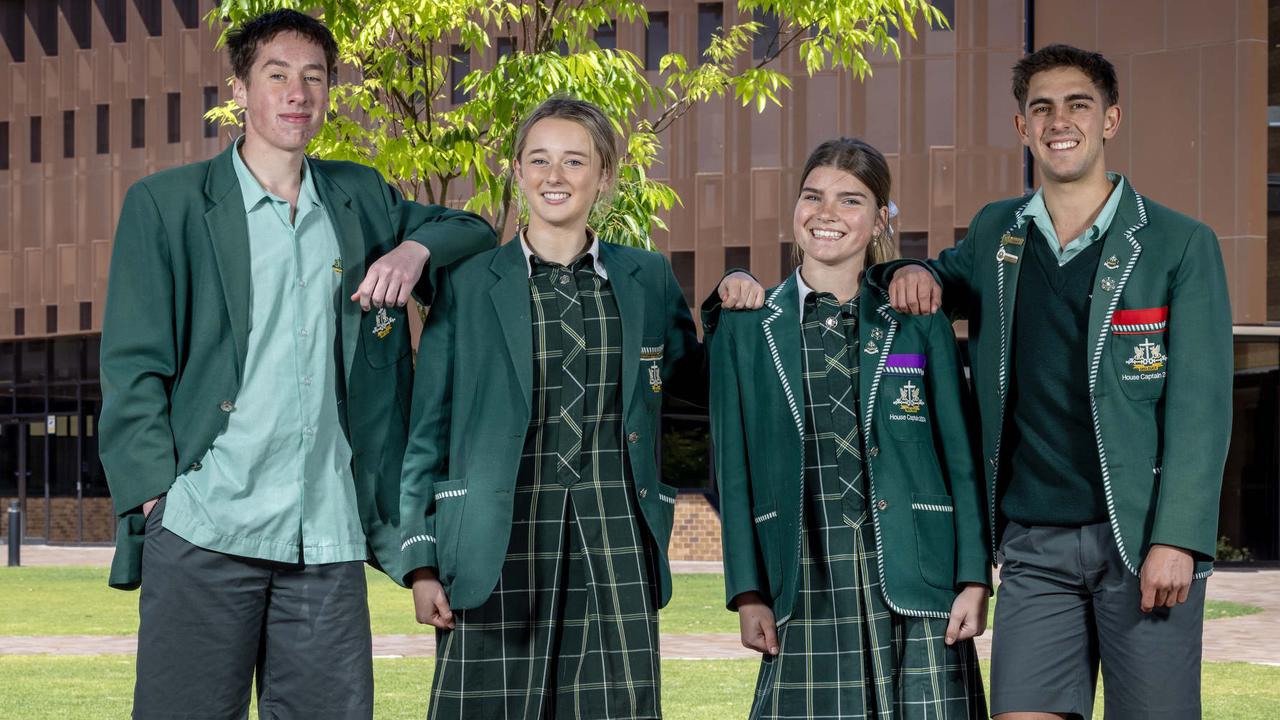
1138 344
765 518
449 499
934 519
385 336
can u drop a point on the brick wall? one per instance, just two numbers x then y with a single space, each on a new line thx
99 521
696 533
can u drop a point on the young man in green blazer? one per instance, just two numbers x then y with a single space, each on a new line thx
1100 338
256 398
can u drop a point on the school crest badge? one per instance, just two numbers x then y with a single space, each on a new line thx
653 356
382 323
1147 357
909 400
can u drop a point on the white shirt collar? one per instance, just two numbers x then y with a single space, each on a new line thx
593 250
803 291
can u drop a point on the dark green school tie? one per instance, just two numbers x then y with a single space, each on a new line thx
840 357
573 368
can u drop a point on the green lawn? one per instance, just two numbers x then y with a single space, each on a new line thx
76 601
93 688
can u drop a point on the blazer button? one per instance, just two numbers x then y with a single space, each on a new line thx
195 467
633 437
227 406
882 505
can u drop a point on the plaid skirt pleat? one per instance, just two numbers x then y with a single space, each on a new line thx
571 630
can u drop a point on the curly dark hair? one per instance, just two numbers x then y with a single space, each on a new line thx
1098 68
244 40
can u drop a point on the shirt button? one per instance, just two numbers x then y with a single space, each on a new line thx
303 332
308 431
633 437
306 380
882 505
564 279
195 467
227 406
302 283
830 322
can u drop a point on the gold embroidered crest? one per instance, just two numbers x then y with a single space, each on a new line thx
382 323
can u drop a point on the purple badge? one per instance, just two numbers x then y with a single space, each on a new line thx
904 364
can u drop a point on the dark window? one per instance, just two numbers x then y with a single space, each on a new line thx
4 145
151 15
914 245
86 315
710 20
138 123
113 15
44 20
51 318
19 321
656 39
210 102
189 11
607 37
68 133
173 113
104 129
14 29
506 46
948 9
737 258
787 260
457 71
35 139
682 266
766 41
77 14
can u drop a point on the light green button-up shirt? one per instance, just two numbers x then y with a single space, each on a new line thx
277 484
1038 212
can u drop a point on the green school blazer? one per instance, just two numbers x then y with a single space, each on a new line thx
1159 357
924 495
472 403
176 326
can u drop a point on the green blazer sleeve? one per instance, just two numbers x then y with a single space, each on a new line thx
741 562
1197 411
686 358
426 457
957 453
450 235
138 358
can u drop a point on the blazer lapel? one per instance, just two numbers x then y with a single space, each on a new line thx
628 292
229 234
1008 260
874 314
351 247
510 297
1120 251
781 327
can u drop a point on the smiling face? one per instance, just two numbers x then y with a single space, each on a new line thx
560 174
285 94
1065 124
836 217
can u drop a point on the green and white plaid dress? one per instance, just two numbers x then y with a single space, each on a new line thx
844 653
571 630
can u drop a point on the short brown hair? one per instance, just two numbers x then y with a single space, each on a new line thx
861 160
1099 70
244 40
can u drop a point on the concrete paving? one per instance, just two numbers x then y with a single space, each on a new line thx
1251 638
